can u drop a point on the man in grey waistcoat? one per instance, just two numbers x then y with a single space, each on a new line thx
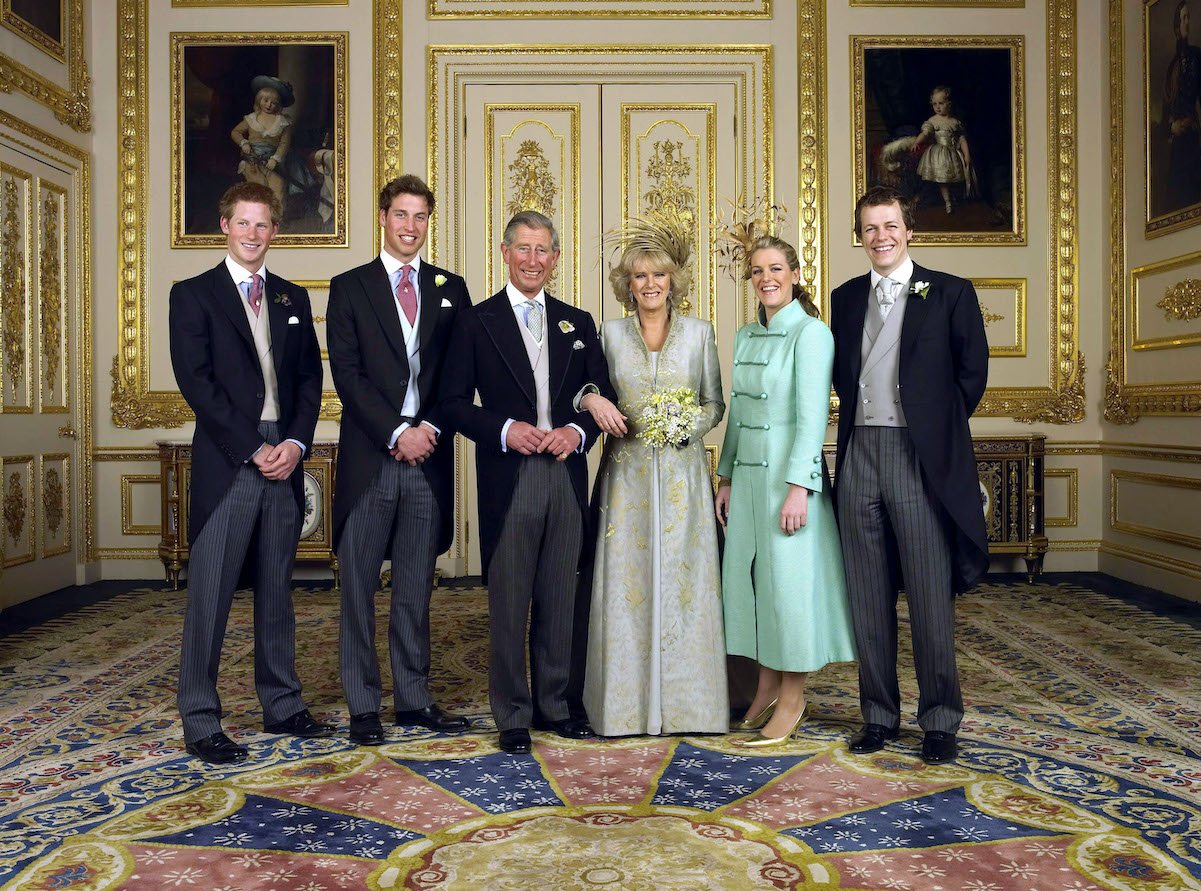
910 367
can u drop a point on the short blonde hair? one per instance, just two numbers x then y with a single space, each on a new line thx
656 261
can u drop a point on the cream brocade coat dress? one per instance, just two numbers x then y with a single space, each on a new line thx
656 650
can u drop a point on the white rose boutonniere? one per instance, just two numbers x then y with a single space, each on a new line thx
919 288
439 279
566 327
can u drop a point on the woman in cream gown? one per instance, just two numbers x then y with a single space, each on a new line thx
656 653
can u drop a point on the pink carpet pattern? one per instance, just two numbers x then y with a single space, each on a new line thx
1080 769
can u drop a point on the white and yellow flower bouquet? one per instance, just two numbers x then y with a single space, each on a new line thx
668 417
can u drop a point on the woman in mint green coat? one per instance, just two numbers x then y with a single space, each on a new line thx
783 588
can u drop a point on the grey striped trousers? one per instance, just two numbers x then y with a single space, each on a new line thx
886 514
533 573
397 509
253 503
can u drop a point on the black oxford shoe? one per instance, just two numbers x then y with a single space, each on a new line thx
366 729
872 738
568 728
217 748
432 718
301 724
515 741
939 747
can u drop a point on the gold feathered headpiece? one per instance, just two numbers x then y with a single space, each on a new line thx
645 235
739 229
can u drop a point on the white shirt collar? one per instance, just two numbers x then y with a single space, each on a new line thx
516 298
392 265
901 274
240 273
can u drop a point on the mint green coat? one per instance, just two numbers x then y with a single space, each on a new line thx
784 596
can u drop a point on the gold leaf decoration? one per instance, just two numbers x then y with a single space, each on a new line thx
671 203
990 317
14 507
530 181
12 284
1118 409
50 275
52 500
1182 301
1068 407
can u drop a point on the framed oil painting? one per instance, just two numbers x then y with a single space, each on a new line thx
1172 90
42 22
941 119
270 108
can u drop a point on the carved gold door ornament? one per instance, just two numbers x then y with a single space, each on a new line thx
1182 301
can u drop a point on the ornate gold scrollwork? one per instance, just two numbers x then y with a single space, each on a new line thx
14 507
1117 406
52 500
72 104
671 200
12 286
989 316
532 183
50 282
1182 301
1067 406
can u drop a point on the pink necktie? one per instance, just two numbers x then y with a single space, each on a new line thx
256 293
405 294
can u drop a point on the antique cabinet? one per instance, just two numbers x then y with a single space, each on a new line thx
316 530
1011 495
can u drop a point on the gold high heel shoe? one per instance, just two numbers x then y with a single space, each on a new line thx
763 742
756 721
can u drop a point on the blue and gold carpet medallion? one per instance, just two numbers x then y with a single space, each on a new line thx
1080 769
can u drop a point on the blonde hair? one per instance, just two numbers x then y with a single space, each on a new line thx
656 261
771 243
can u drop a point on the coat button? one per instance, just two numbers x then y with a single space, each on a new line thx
767 426
814 475
762 395
817 459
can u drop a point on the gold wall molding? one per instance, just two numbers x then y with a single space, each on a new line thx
1164 536
1075 544
212 4
63 155
387 77
1153 559
128 481
1125 402
71 102
56 504
812 146
52 257
595 9
20 509
126 453
1182 301
56 49
1142 451
982 4
1072 475
1018 285
16 228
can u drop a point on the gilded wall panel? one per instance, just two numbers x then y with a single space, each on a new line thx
20 514
533 163
54 362
16 227
1157 506
57 513
669 173
140 508
1062 496
1003 306
50 67
1155 270
695 9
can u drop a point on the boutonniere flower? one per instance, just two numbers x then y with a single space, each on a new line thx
919 288
439 279
566 327
283 299
578 345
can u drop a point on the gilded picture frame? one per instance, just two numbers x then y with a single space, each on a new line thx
592 9
942 119
267 107
1171 69
56 74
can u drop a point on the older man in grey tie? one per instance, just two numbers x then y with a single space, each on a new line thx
910 367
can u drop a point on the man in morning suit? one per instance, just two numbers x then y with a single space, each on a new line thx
246 360
527 355
910 367
388 326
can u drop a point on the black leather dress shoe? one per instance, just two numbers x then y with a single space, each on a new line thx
366 729
568 728
872 738
939 747
515 741
432 718
217 748
301 724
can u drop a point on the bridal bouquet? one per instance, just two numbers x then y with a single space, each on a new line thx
668 417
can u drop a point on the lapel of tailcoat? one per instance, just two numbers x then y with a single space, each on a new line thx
500 322
379 294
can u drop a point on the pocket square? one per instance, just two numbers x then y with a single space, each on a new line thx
578 345
445 303
292 320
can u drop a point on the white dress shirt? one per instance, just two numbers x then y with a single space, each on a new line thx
412 403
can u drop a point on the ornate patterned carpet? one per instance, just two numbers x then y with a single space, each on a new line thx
1080 769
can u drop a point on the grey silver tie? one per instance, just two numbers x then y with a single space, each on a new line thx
533 319
886 294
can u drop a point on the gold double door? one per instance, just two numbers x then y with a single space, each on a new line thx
40 361
589 155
